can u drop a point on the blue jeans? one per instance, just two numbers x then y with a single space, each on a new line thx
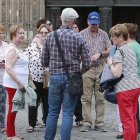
59 96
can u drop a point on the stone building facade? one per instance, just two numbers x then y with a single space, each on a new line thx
111 11
28 12
24 12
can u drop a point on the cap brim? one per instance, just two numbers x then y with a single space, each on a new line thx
94 21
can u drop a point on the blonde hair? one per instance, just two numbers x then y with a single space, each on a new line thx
44 26
2 27
119 29
13 30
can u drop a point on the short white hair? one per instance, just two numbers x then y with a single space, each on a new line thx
69 14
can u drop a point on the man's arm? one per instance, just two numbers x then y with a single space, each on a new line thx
86 60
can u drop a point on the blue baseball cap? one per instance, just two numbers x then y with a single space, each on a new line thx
94 18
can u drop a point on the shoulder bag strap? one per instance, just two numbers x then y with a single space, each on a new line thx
61 53
121 52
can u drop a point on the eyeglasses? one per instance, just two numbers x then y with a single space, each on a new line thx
44 33
112 36
2 33
21 33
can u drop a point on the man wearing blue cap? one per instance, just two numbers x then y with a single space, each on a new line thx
99 44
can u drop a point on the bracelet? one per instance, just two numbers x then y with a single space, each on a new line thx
100 54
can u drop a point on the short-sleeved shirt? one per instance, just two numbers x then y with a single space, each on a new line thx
128 59
96 43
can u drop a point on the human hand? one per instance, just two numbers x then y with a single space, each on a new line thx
21 88
95 57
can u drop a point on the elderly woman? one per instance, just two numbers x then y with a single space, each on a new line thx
34 53
128 89
3 47
16 74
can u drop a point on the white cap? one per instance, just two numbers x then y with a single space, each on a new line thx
69 13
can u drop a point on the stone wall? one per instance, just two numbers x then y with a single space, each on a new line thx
24 12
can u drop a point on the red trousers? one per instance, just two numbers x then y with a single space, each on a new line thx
128 105
10 116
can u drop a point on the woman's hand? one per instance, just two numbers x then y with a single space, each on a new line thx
21 87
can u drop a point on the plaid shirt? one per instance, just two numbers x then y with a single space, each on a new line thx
75 50
97 43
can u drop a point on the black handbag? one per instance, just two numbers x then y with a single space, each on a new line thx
110 96
75 85
109 84
108 90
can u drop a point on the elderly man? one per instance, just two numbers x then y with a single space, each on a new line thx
75 50
99 43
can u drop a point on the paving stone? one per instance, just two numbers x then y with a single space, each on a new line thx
38 134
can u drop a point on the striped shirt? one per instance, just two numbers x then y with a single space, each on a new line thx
75 50
97 43
129 69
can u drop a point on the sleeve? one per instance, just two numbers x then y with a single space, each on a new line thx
118 58
26 52
86 60
29 51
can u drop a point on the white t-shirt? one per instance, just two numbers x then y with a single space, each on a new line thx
20 68
3 49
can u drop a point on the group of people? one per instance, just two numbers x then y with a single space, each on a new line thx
16 68
84 52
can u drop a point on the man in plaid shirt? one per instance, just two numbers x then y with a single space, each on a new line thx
75 50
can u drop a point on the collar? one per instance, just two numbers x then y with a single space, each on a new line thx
98 33
64 27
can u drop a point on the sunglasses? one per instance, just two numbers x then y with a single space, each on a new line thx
49 23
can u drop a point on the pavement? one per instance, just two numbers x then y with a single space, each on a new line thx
110 123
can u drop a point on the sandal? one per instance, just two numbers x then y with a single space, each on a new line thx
39 125
79 124
30 129
119 136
